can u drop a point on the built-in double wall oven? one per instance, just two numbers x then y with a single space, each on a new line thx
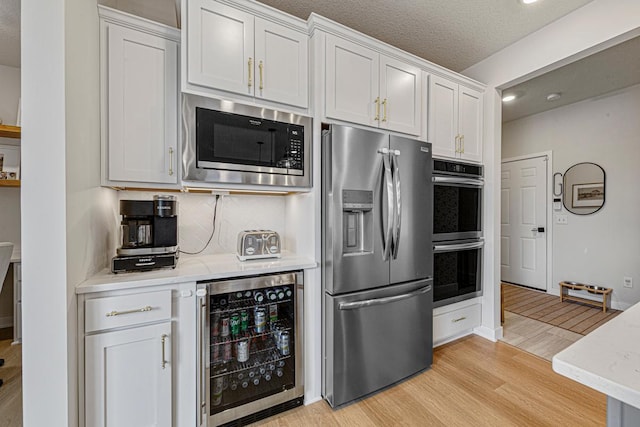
457 231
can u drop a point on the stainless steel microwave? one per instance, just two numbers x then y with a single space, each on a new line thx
231 143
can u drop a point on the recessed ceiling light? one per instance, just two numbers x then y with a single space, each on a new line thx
528 1
508 98
554 96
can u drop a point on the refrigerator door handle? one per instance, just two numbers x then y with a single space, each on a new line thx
389 184
397 217
458 247
380 301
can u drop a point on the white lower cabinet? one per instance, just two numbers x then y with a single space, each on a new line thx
128 377
450 323
137 357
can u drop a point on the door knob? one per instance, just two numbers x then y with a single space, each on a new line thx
538 229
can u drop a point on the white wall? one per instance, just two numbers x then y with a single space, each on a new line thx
235 213
10 90
66 218
591 28
604 247
45 373
9 197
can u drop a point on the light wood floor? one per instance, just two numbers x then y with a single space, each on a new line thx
11 391
533 336
473 382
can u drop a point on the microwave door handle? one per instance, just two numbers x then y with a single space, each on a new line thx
386 244
380 301
458 247
457 180
397 218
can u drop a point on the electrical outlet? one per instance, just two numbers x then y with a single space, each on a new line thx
628 282
562 219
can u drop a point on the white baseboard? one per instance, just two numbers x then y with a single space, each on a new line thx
488 333
312 399
6 322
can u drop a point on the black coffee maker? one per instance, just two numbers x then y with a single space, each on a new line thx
149 231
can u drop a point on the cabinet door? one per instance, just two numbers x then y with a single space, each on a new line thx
351 82
470 124
220 47
126 383
142 89
281 66
443 116
400 92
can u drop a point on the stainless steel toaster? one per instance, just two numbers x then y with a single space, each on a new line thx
256 244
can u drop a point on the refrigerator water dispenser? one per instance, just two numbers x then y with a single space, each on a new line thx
357 221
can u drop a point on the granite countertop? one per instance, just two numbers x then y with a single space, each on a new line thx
194 268
608 359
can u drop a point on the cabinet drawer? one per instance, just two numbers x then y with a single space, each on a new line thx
455 322
127 310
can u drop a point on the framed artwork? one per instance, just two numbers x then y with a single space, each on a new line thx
9 162
588 195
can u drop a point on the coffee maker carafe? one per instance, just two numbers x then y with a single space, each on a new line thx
149 234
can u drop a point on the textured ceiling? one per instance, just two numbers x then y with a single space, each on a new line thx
453 33
10 33
603 72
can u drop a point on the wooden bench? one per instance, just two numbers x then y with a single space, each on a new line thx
566 286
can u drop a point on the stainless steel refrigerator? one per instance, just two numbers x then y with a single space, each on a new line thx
377 261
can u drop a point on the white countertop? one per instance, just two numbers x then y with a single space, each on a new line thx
194 268
608 359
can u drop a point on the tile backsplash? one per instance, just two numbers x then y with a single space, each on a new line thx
235 213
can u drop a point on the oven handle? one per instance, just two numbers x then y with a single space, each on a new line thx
379 301
458 247
457 180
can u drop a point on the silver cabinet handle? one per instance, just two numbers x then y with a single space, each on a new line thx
458 247
397 218
379 301
459 319
164 358
170 161
135 310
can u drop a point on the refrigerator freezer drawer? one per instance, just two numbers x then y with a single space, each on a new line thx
376 338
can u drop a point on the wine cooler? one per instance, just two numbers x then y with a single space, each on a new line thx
250 348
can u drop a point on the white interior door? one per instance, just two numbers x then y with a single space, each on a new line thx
523 211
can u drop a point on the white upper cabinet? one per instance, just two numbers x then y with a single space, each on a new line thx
400 91
282 64
234 51
352 82
139 106
470 123
365 87
455 120
220 43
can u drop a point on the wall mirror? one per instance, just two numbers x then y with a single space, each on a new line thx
584 188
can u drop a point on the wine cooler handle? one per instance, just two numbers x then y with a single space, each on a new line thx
203 326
